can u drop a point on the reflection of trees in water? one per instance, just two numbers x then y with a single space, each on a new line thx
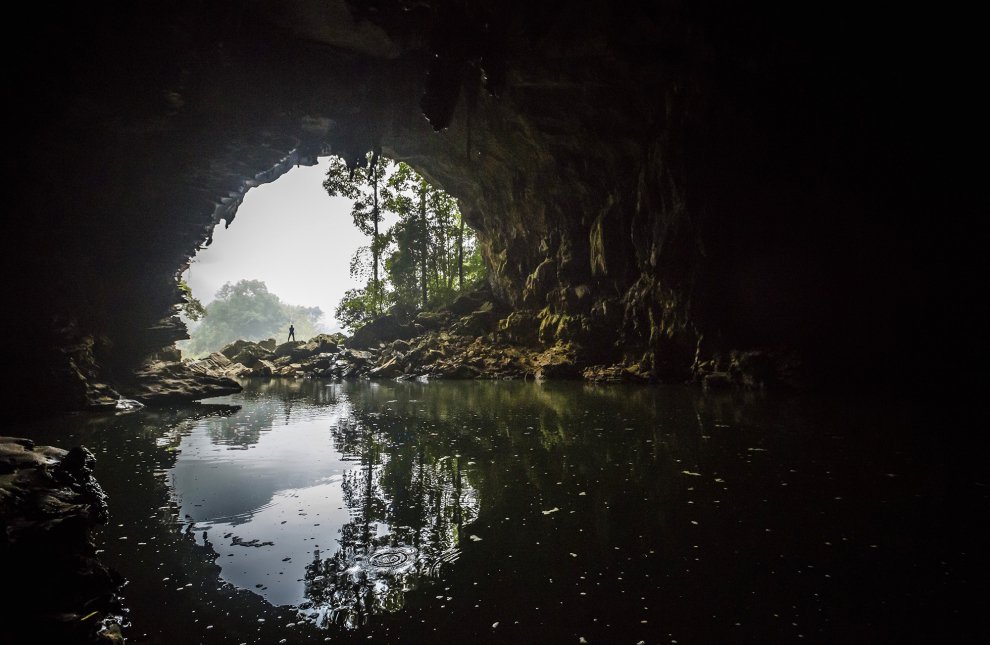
408 501
426 455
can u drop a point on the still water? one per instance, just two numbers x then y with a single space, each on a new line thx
509 512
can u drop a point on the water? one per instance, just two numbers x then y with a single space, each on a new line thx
508 512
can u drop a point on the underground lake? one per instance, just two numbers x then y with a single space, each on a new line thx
554 512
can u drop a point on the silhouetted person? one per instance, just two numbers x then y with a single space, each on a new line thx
292 332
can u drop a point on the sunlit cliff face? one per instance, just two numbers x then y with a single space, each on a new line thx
653 183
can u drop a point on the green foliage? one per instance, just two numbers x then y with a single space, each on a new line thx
191 308
247 310
368 187
355 309
428 256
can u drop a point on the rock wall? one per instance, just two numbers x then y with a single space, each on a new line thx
655 183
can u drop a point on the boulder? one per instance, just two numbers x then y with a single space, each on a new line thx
557 362
477 323
520 327
389 369
50 503
157 383
432 320
263 368
286 349
268 344
465 304
381 330
234 348
327 342
304 351
250 354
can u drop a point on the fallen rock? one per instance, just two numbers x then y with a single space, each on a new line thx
520 327
286 349
234 348
432 320
381 330
157 382
557 362
477 323
250 354
49 504
268 344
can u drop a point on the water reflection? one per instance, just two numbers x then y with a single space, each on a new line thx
315 502
410 512
407 516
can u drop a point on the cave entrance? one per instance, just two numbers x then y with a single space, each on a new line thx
303 252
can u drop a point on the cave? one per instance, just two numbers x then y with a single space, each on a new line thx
691 180
686 182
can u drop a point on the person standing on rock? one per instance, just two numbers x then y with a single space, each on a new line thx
292 332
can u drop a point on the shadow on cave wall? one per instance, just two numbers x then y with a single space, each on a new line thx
683 178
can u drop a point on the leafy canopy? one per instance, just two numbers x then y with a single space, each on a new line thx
424 260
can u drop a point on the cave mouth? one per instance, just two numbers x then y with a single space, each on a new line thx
719 193
300 256
291 236
688 183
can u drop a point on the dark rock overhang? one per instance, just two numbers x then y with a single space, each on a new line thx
710 176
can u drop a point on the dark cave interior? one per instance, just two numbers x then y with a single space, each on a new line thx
707 176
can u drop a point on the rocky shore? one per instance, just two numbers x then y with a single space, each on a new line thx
49 501
475 338
57 591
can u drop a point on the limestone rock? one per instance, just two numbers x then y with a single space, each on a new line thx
268 344
234 348
49 505
387 328
158 383
432 320
286 349
250 354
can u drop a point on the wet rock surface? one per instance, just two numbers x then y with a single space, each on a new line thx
49 504
475 338
159 382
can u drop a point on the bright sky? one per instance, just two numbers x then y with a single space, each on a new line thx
289 234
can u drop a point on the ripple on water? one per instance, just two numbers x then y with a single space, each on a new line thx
392 559
443 561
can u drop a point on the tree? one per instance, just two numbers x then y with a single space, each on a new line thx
248 310
354 309
408 199
429 255
191 307
368 187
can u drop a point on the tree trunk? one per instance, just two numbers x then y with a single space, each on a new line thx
460 255
424 233
374 242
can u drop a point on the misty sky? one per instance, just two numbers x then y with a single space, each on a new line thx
289 234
